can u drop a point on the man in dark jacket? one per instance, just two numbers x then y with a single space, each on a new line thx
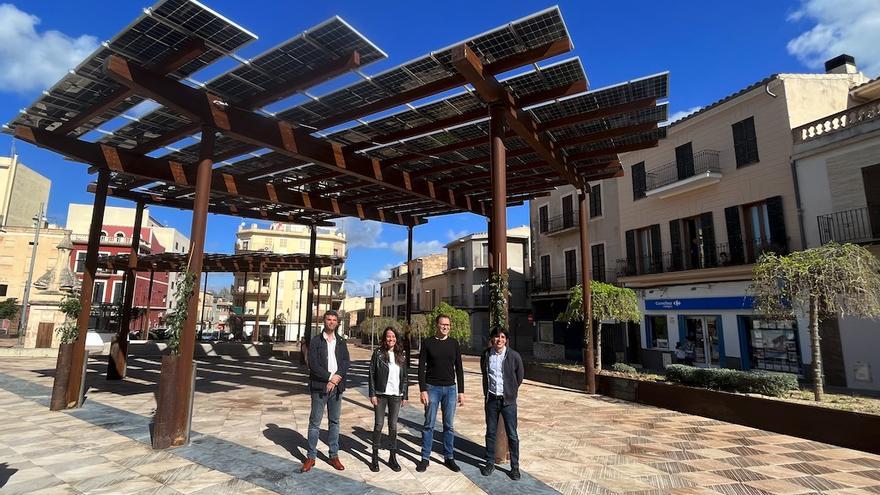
328 365
502 370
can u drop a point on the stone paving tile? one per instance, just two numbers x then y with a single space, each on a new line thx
250 419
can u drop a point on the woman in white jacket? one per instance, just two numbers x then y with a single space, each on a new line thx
389 384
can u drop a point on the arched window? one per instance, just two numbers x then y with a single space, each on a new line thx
103 234
120 236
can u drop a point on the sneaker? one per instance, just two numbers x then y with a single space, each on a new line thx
450 463
422 466
487 469
514 474
307 466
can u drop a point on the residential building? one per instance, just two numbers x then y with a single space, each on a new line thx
467 277
556 268
837 167
22 191
352 312
700 208
393 291
281 296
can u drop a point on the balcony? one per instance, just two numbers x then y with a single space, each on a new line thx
837 122
559 223
672 179
720 255
456 301
455 264
252 293
559 283
109 240
859 225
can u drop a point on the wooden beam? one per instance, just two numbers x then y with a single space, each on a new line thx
114 159
470 67
267 132
596 137
485 175
217 208
191 50
533 55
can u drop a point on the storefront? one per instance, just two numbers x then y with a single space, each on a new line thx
716 329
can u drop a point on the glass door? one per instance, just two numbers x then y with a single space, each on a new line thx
702 340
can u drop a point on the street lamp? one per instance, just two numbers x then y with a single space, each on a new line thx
22 321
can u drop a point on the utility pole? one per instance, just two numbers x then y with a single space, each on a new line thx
22 321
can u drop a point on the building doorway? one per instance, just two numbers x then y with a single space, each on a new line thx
702 338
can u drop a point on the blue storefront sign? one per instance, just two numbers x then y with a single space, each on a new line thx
687 303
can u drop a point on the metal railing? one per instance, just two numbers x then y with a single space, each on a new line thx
855 225
837 122
453 263
567 220
705 256
108 240
704 161
453 300
557 283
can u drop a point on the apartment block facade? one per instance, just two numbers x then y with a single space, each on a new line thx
393 291
696 212
281 297
22 190
837 168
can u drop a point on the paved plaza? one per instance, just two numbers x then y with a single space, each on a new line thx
250 422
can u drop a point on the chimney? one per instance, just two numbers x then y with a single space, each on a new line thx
841 64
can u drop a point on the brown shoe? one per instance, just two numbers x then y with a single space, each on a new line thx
334 461
307 466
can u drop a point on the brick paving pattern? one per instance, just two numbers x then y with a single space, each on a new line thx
250 420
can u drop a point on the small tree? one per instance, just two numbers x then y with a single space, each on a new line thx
70 307
177 318
9 309
827 281
609 302
461 322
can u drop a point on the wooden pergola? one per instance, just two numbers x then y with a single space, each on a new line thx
494 143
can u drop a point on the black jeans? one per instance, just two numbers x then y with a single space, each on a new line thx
494 407
392 404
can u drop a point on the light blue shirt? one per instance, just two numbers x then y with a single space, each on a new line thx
496 378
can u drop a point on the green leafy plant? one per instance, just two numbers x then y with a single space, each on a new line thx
609 302
824 282
9 309
177 318
499 291
461 322
624 368
70 307
730 380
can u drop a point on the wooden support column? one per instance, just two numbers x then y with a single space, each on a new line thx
275 306
318 304
76 378
255 335
145 323
310 295
300 307
116 366
589 363
407 345
177 380
204 301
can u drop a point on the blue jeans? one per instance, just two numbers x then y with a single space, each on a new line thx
494 407
333 403
445 398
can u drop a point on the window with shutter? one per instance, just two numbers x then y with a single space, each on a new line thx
677 249
597 257
631 264
745 142
596 201
543 219
734 237
638 180
684 161
545 272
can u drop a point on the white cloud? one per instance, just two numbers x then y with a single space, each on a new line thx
35 60
361 233
452 235
365 287
851 27
681 114
419 248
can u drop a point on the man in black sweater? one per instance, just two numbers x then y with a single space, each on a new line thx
439 372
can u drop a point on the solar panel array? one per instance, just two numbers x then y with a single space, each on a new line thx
165 28
444 140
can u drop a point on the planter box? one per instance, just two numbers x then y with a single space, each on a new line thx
833 426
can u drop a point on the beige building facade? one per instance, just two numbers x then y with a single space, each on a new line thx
281 296
392 292
22 191
696 212
837 166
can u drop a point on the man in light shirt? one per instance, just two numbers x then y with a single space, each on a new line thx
328 365
502 370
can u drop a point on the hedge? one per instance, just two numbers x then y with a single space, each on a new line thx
752 382
623 368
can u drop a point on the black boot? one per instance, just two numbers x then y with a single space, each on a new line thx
374 464
392 461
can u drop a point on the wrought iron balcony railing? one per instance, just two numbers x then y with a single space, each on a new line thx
704 161
859 225
567 220
706 256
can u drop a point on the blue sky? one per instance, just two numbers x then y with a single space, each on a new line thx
710 48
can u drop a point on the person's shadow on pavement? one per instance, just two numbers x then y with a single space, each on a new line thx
291 440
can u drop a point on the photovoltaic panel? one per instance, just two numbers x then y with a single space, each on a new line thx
630 139
656 113
503 42
321 44
158 32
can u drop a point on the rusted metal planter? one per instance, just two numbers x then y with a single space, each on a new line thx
173 419
62 375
